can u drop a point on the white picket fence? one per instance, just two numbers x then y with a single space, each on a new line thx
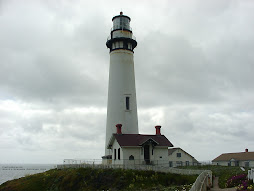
134 167
251 174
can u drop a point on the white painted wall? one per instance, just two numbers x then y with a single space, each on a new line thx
159 156
122 33
222 163
134 151
117 161
241 163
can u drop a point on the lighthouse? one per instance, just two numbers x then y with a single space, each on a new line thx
122 104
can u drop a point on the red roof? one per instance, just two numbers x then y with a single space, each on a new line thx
134 140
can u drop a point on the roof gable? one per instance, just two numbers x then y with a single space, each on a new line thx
149 140
172 150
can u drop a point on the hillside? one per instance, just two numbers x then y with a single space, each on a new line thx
98 179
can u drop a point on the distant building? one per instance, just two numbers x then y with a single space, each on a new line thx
179 157
138 149
244 159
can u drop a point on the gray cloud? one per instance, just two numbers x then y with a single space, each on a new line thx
193 64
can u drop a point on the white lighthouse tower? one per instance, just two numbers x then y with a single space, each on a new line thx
122 105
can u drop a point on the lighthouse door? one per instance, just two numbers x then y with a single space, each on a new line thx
147 154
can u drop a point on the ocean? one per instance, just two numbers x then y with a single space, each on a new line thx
15 171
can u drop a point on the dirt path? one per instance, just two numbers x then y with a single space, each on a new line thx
216 186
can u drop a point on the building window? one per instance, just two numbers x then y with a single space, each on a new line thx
127 102
114 154
179 163
119 154
178 154
131 157
247 164
187 163
152 151
170 164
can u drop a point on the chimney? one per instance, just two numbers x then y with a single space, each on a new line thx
246 150
158 130
119 128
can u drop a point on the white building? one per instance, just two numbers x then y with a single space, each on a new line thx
244 159
138 149
179 157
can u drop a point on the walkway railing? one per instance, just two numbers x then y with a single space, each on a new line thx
203 181
132 162
134 167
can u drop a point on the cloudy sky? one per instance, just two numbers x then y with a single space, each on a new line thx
194 67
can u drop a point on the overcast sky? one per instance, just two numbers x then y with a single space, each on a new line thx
194 67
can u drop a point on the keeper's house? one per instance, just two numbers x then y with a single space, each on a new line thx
138 149
244 159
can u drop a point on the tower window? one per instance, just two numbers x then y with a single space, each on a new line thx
127 101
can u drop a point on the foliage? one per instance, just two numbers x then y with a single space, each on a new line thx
235 180
240 182
223 172
99 179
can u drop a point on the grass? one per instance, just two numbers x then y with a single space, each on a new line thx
99 179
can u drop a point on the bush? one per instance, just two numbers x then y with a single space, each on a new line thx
235 180
241 182
223 172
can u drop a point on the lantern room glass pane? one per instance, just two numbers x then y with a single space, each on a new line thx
121 23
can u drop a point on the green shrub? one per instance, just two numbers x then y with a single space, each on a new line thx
223 172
